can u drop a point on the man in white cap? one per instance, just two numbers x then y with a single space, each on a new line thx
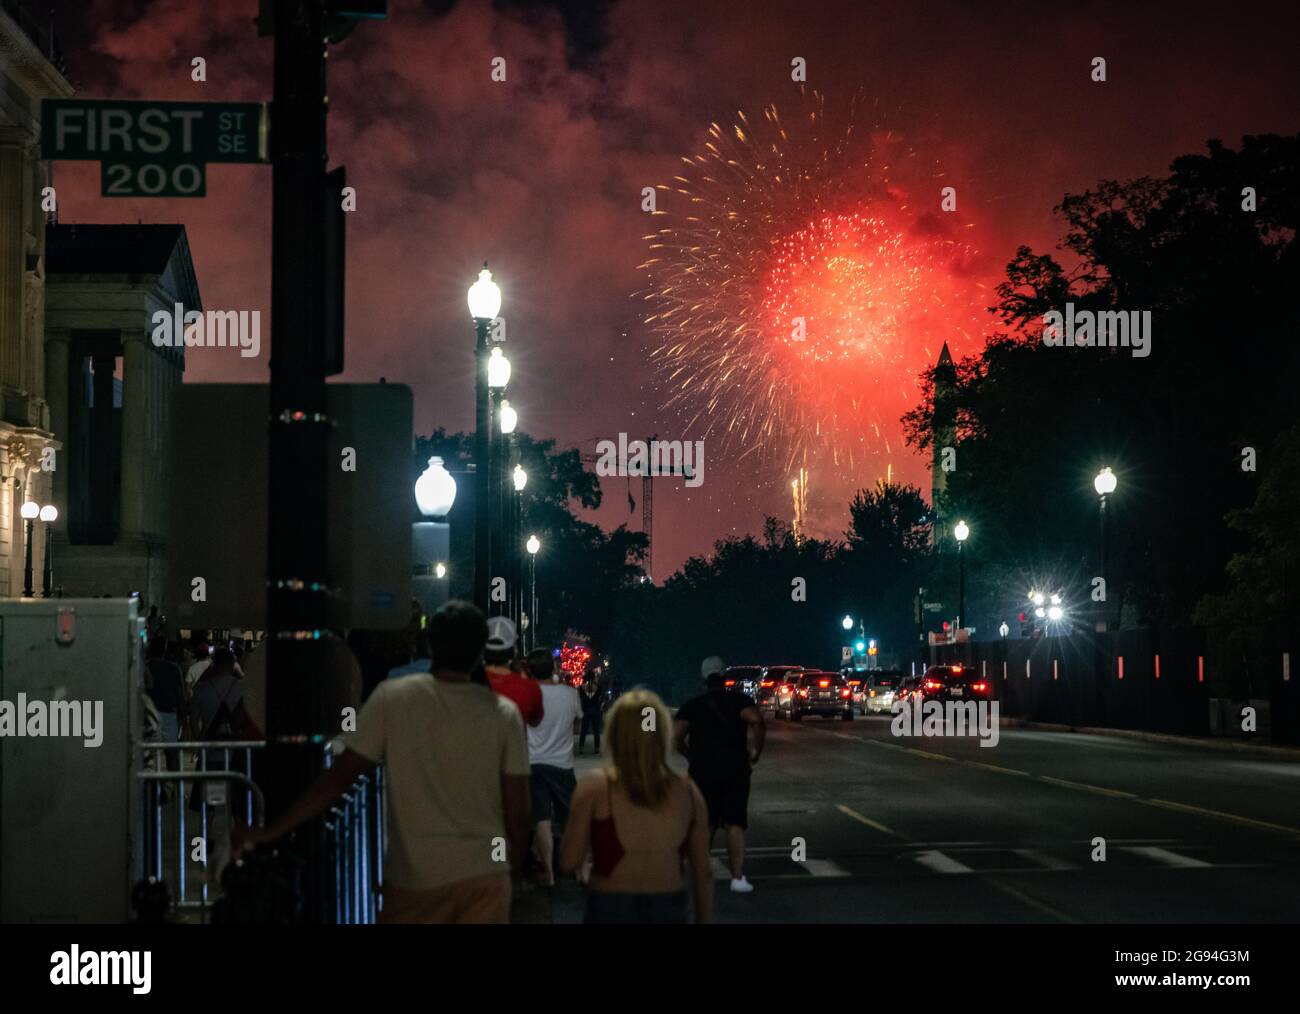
712 730
501 663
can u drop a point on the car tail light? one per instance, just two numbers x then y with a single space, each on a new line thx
767 683
731 683
823 683
981 686
846 693
956 668
932 684
871 693
803 693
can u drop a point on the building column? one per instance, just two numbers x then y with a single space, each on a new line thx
136 405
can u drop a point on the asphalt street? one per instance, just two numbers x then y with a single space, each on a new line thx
940 829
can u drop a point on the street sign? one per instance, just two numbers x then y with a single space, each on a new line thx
153 149
846 654
933 607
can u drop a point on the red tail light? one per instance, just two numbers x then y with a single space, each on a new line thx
981 686
731 683
933 685
823 683
767 683
846 693
803 693
956 668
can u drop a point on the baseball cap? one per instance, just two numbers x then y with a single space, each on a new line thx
501 633
711 665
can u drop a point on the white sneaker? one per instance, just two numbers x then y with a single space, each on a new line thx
739 885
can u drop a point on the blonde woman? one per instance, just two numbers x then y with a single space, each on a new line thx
645 827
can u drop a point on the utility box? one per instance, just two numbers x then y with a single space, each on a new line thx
71 831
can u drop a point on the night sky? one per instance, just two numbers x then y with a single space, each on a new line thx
543 176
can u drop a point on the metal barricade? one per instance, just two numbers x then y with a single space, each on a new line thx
354 827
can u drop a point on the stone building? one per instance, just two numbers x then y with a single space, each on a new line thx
30 70
110 392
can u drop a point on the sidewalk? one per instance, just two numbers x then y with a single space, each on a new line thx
1287 753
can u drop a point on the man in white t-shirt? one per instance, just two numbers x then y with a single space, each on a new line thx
550 754
457 783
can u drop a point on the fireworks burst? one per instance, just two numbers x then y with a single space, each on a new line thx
796 296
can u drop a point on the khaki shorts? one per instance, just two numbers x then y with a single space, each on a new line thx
484 899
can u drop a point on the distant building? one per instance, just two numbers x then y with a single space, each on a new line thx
30 70
943 429
110 395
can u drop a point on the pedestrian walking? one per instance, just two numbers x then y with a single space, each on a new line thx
713 731
166 688
501 666
550 756
593 702
456 771
644 825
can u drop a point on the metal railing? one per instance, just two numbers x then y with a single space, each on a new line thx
353 828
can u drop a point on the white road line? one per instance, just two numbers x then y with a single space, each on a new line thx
1159 855
940 863
1043 859
824 868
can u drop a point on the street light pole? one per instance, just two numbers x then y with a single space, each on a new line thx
484 305
962 533
534 544
49 514
30 510
1105 483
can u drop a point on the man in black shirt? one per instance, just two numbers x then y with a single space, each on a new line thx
713 731
166 688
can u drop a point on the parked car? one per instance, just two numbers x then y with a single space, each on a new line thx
817 693
744 679
772 679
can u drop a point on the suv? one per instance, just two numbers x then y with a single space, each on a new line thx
743 679
952 683
879 690
818 693
772 679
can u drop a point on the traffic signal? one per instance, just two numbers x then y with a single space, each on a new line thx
860 647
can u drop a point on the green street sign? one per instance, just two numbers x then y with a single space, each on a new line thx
157 133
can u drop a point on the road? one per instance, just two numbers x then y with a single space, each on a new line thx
938 830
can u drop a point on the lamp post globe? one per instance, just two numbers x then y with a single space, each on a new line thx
1105 482
509 417
520 478
30 510
847 623
498 369
484 296
533 545
435 490
962 531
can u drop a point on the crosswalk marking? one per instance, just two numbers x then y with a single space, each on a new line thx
1160 855
1043 859
824 868
939 862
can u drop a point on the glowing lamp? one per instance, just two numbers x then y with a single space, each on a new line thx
498 368
1105 482
484 296
435 490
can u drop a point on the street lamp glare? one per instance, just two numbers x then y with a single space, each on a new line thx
847 623
1105 482
435 490
1040 612
49 513
30 510
484 296
962 531
520 477
533 544
1055 613
509 417
1039 599
498 368
440 570
1056 600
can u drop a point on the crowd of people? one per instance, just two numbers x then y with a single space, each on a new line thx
483 799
